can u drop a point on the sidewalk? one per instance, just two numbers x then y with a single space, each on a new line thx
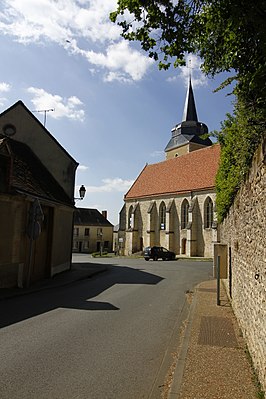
212 363
79 271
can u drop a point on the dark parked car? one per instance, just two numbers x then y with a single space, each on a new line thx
156 253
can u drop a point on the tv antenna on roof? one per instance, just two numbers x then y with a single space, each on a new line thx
45 112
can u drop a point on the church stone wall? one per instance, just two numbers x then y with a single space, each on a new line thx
196 241
244 232
177 152
204 237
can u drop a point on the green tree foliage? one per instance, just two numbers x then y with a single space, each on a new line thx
239 138
228 35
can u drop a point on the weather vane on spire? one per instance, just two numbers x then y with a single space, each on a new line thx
189 67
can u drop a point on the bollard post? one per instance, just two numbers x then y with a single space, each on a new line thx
218 279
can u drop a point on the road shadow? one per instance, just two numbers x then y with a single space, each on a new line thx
72 296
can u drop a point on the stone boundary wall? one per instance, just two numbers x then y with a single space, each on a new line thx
244 232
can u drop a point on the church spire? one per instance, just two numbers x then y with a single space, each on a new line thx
188 135
190 113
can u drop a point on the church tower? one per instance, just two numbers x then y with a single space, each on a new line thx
187 135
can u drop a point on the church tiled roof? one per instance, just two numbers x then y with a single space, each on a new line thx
190 172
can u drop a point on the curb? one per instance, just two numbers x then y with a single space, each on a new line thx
181 359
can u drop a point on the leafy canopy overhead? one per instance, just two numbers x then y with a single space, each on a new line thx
227 34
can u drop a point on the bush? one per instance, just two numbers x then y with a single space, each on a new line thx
98 254
239 139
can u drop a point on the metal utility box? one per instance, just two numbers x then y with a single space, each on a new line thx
220 250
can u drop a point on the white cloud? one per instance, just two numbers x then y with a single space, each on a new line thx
57 20
67 107
110 185
82 168
3 101
4 87
120 77
94 20
192 66
30 20
67 22
121 60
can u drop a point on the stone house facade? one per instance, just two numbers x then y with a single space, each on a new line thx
244 232
172 203
37 178
92 231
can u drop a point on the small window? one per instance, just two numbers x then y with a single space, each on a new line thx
208 213
100 232
87 231
130 218
76 231
86 244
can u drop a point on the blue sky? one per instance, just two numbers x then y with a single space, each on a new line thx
113 109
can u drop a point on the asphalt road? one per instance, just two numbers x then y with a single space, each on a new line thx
111 336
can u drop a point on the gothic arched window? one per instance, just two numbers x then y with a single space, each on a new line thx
129 220
162 215
184 214
208 213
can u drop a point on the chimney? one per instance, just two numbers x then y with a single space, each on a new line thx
104 213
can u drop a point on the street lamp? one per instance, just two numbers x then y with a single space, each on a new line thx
82 191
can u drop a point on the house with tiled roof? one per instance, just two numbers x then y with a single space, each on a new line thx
92 231
37 178
172 203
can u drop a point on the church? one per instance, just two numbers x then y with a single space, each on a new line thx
172 203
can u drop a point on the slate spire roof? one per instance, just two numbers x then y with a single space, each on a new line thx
190 112
194 171
190 130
